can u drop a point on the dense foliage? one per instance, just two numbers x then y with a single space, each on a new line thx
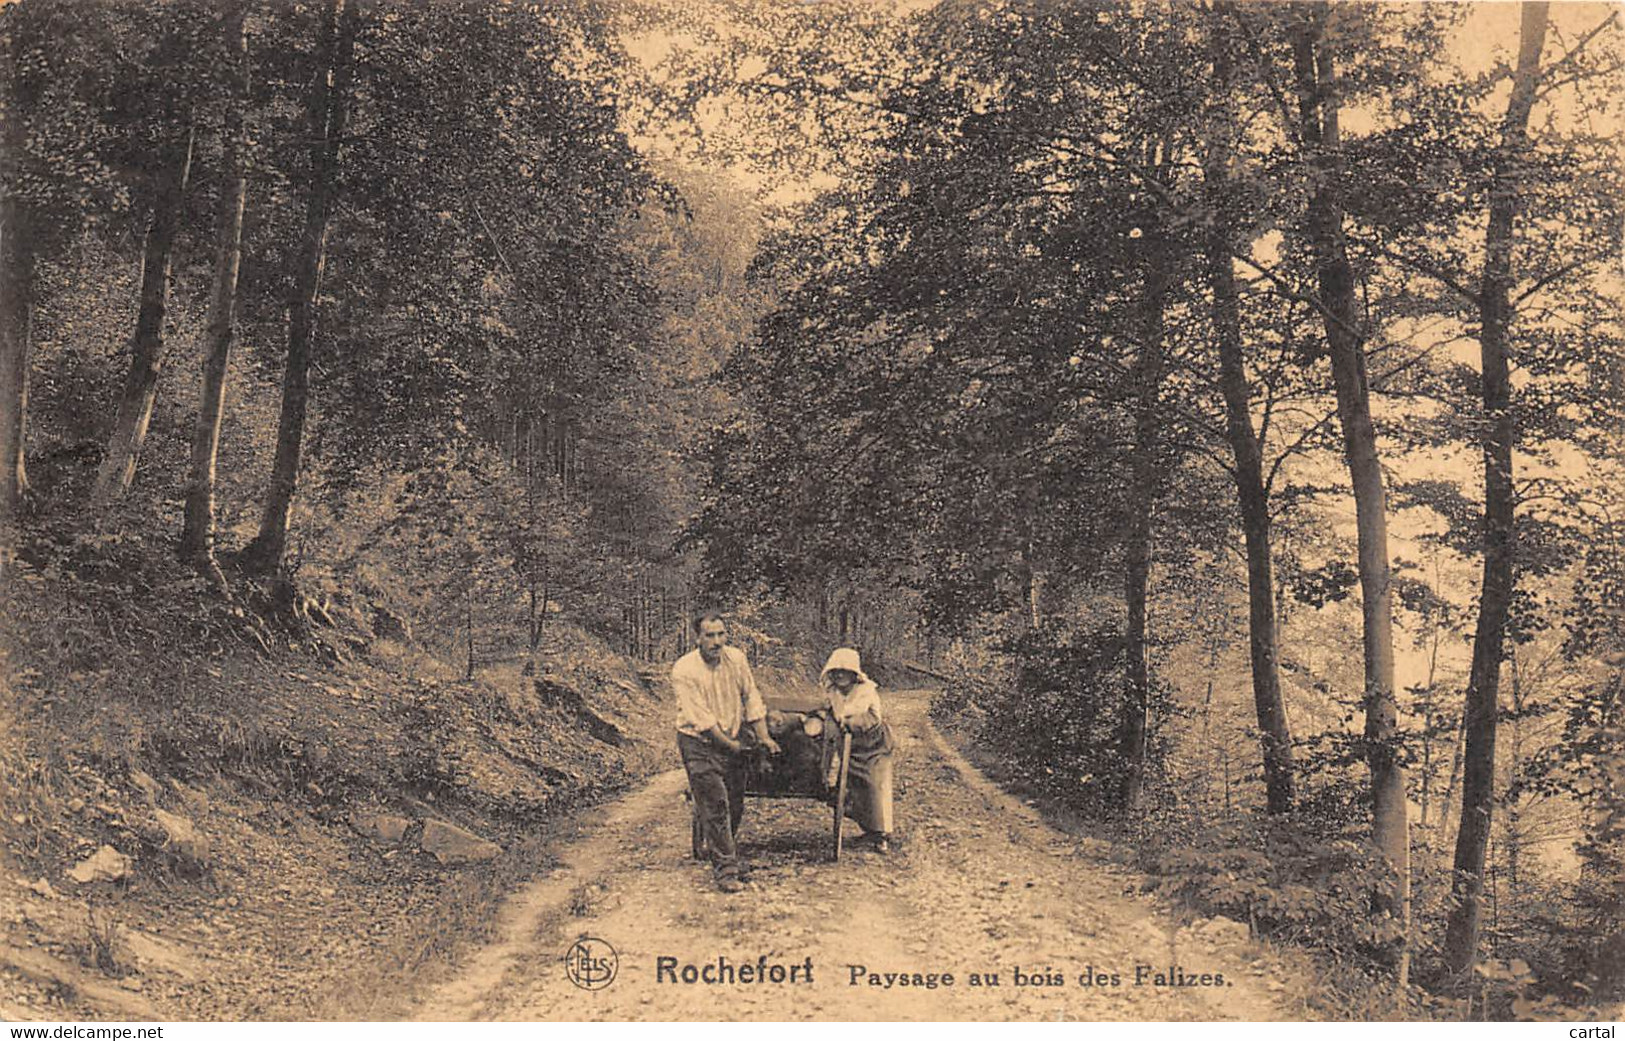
1062 333
1226 399
512 321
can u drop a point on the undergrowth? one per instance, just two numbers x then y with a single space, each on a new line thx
120 669
1042 726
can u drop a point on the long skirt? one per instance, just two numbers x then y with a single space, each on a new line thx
869 779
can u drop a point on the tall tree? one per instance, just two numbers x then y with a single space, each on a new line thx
65 71
1500 434
16 305
16 286
1318 131
326 111
1252 494
197 532
1150 368
163 99
172 170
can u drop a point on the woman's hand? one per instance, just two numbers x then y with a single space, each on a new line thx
865 720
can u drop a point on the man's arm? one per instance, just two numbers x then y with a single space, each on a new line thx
766 739
755 708
722 740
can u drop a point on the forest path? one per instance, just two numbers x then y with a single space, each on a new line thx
977 884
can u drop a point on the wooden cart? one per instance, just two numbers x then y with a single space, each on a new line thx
810 738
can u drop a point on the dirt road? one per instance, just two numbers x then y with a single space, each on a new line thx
978 884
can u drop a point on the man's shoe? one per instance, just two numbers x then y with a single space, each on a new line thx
730 885
882 845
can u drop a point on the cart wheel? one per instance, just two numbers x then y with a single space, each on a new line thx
840 791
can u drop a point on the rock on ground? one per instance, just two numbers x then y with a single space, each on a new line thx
105 865
452 845
181 838
382 828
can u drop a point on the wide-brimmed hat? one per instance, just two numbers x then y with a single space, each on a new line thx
846 659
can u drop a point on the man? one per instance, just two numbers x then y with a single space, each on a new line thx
715 694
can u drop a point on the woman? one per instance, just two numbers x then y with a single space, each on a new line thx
854 701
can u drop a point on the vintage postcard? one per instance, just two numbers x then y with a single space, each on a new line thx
811 510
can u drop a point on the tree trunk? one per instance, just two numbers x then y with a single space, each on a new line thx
1028 580
645 634
1032 576
529 668
1318 106
16 320
1252 496
18 103
530 561
147 348
1430 718
1449 800
1512 827
1149 367
1500 434
197 531
1427 767
468 611
541 618
327 107
531 631
1137 680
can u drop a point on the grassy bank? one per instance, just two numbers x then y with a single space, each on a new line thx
272 821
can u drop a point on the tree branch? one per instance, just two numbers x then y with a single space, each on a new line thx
1432 271
1293 449
1557 275
1574 52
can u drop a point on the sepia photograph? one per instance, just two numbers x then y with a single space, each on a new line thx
850 511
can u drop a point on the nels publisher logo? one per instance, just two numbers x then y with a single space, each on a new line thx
591 963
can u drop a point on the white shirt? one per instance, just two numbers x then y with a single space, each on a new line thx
715 695
860 708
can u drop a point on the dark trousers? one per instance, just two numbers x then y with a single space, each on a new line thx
717 781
